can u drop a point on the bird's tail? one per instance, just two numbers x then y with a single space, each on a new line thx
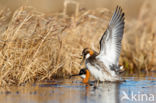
118 69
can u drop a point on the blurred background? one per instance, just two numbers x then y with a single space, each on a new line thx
43 39
132 7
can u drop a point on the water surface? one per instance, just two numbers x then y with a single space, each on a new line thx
135 89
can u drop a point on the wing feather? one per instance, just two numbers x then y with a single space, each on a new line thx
110 43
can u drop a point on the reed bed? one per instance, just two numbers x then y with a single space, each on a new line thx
36 46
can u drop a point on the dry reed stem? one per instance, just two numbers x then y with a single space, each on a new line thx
36 47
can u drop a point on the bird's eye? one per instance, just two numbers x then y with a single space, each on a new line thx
82 71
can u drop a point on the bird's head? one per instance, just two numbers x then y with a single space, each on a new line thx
86 53
84 74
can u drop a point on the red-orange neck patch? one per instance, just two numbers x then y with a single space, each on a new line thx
91 52
85 80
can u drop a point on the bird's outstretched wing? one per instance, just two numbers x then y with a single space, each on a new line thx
110 43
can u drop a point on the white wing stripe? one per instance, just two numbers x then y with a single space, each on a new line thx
110 43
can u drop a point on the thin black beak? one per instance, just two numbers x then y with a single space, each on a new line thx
81 57
82 60
74 75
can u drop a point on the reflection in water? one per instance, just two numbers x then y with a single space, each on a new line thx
104 93
66 91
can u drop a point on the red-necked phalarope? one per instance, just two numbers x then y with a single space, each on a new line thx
85 75
105 64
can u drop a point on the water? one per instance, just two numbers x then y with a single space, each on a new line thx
133 90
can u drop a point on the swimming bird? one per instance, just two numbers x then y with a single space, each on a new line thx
104 66
84 74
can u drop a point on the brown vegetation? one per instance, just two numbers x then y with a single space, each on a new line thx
35 46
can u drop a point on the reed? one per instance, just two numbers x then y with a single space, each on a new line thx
36 46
